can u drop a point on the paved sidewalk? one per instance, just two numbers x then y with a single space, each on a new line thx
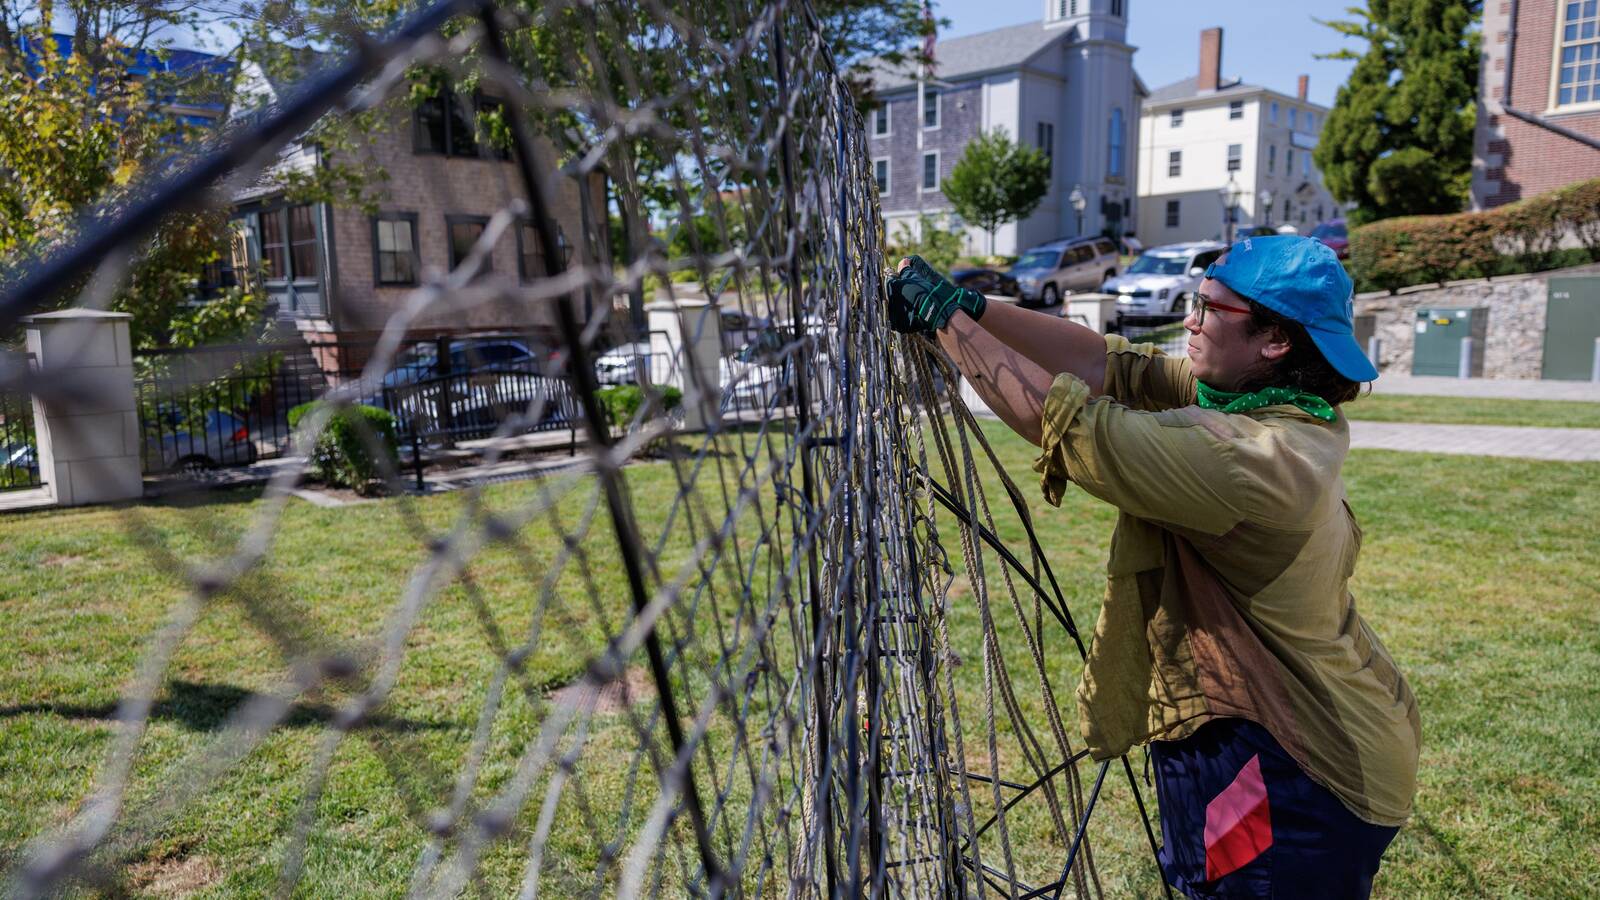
1566 444
1499 388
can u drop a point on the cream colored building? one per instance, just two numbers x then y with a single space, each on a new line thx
1208 135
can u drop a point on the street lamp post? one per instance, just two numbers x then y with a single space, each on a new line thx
1079 203
1266 202
1229 195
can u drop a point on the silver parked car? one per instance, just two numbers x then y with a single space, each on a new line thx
1050 271
1164 279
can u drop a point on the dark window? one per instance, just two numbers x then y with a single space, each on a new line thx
1272 158
1116 8
1174 163
1236 109
1104 248
495 136
1172 214
429 131
1288 162
930 109
449 123
303 242
1114 141
274 245
930 171
880 171
530 253
394 245
1047 144
880 119
1177 118
464 233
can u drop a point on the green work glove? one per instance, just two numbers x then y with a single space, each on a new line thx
920 300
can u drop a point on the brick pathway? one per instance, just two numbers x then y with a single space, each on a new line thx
1567 444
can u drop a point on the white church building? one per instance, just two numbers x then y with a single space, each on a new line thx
1064 84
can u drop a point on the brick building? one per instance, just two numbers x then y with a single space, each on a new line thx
338 271
1064 84
1539 99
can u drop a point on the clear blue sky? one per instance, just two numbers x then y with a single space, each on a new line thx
1265 42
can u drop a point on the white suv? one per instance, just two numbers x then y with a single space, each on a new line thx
1164 279
1050 271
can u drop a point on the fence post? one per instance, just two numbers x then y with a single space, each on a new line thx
87 423
441 370
1464 365
1374 350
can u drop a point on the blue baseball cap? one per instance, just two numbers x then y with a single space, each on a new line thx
1300 278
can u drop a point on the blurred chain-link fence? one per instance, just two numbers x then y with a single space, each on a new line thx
772 698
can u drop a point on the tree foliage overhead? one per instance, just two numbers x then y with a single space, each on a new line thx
80 135
1398 140
996 181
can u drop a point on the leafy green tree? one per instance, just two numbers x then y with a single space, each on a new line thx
1398 140
996 181
79 135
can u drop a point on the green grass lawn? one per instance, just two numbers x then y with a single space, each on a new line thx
1479 574
1474 411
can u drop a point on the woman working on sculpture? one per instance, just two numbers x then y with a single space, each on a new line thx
1282 736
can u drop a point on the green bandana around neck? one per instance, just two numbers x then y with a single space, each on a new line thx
1231 402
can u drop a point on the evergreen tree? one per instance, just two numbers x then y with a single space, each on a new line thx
997 181
1399 138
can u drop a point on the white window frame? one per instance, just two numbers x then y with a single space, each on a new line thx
1235 109
888 121
938 110
1557 45
922 176
888 174
1175 118
1235 158
1174 163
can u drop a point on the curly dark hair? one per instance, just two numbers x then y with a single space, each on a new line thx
1303 368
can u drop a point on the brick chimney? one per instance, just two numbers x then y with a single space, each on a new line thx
1305 86
1210 59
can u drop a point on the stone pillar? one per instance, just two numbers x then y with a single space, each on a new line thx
686 353
1095 311
88 422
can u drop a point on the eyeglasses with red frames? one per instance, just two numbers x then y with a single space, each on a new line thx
1204 303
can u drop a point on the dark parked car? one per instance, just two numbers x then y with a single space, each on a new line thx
985 281
1335 236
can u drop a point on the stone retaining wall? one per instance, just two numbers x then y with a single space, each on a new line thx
1516 304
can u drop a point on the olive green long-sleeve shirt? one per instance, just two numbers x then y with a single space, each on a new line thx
1228 580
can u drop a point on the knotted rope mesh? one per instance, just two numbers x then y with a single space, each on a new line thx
804 660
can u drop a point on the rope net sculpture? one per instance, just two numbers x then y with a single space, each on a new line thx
805 663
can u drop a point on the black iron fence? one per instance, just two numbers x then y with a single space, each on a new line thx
1165 331
19 443
213 406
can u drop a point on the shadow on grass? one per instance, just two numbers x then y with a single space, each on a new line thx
1440 844
206 707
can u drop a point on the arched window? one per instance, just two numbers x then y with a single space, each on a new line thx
1114 145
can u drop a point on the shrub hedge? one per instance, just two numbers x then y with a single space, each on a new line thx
343 453
622 401
1520 237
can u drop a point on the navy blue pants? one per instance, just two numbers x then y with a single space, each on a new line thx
1240 818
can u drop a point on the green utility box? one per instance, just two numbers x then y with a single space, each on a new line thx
1440 331
1571 325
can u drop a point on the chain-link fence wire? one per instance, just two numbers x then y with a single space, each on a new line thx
808 664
